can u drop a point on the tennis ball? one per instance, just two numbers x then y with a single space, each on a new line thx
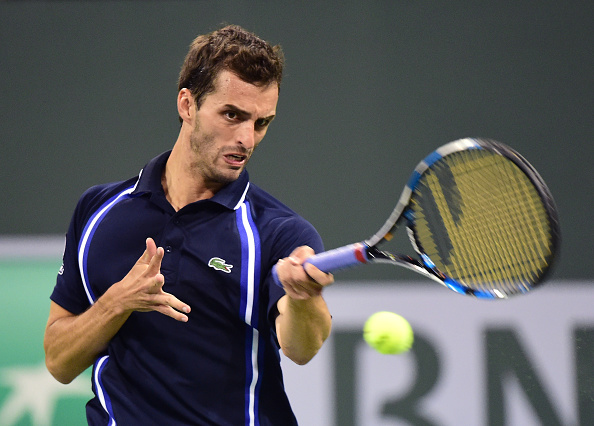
388 333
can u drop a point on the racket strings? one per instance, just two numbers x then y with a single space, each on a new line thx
532 227
494 254
466 256
482 222
506 242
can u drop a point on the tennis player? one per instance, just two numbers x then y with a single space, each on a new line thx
166 287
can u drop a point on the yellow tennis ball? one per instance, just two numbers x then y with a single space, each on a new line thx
388 333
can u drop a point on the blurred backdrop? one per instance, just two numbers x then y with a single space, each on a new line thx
87 95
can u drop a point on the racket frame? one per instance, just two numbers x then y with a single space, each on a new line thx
368 252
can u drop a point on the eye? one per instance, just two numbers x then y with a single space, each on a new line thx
231 115
262 122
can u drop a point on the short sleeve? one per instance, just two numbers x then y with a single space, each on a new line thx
69 291
293 233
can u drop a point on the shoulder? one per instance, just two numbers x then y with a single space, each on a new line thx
269 209
279 222
99 195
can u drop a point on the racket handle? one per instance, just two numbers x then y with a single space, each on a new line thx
334 260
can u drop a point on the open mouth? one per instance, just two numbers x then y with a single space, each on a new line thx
235 159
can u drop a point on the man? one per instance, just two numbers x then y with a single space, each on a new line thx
188 332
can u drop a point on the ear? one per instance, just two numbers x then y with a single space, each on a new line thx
186 107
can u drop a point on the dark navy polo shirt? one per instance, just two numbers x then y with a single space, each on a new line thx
222 367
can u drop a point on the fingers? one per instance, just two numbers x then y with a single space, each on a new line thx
143 286
319 276
158 282
174 308
154 265
166 303
300 254
149 252
151 246
302 281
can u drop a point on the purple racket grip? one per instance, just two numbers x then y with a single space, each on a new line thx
334 260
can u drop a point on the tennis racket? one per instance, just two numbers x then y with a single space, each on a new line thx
480 218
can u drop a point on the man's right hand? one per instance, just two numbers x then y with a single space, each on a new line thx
142 288
73 342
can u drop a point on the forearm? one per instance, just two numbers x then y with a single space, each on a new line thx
302 327
73 342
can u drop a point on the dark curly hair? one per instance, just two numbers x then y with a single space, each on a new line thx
230 48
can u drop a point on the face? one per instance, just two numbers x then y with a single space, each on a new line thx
229 125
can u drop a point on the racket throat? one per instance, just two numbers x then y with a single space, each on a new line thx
376 255
379 256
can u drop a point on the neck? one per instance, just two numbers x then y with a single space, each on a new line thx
180 184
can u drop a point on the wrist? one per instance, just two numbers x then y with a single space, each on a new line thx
110 305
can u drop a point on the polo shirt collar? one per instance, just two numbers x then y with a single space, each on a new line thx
149 182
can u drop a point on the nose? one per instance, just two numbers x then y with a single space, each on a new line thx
247 135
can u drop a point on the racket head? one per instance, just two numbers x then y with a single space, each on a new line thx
481 218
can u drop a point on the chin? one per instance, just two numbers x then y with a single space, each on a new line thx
226 178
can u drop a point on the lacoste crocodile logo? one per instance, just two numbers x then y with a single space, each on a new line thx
220 265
